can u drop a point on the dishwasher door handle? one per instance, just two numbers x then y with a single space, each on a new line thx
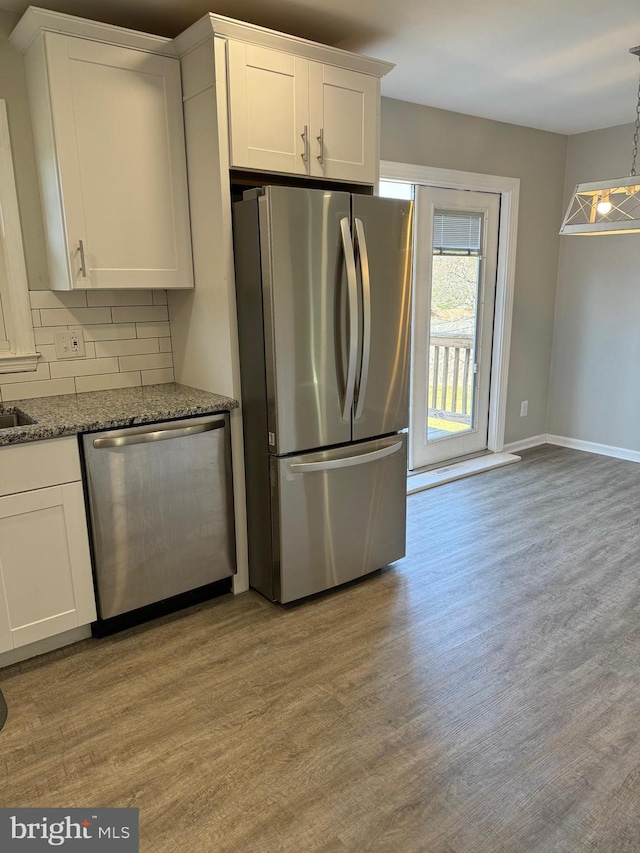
157 435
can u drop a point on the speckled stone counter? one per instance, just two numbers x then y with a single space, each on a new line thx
73 413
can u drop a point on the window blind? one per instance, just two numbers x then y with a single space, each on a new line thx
456 233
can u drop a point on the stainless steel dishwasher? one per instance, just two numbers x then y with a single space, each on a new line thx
161 507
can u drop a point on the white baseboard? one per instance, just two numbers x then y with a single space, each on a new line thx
593 447
456 471
525 443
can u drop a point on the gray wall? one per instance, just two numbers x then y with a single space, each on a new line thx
411 133
594 392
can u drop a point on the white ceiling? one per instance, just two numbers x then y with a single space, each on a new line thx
560 65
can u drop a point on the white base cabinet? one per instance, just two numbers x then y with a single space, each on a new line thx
46 584
109 136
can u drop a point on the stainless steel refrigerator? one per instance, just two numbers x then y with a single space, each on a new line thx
324 293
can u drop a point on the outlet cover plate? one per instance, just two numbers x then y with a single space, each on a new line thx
70 344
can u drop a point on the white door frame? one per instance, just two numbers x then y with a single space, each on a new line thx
509 190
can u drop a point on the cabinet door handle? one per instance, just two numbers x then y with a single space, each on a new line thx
305 139
321 141
83 268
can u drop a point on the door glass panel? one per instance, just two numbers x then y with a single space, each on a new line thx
453 323
395 189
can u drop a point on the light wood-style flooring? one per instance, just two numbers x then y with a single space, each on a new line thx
481 696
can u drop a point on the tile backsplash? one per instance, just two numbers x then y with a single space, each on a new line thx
127 340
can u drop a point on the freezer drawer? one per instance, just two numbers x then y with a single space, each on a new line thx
160 500
337 514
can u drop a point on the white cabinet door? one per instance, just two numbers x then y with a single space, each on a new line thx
343 107
268 109
118 137
45 567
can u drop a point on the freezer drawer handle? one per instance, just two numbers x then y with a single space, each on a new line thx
348 462
366 315
157 435
352 284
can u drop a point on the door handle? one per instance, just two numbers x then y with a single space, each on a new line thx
321 141
305 139
345 462
157 435
352 289
83 267
363 256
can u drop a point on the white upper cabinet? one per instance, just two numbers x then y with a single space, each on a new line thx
289 113
109 135
343 115
269 109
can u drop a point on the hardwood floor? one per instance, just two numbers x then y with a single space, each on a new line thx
482 696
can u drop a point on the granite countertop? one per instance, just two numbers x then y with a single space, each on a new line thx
69 414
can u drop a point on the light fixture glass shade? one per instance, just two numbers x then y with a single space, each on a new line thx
604 207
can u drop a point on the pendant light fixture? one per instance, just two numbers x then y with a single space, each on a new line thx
608 207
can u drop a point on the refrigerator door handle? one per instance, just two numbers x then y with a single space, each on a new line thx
352 287
363 256
346 462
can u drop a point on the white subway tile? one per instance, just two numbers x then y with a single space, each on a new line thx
36 319
153 330
28 390
156 377
165 344
159 297
96 298
146 362
45 336
41 372
110 332
145 314
108 381
47 352
49 299
75 316
137 346
83 367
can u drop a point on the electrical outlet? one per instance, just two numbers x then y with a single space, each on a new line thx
524 408
70 344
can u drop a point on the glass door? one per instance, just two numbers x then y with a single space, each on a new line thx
456 247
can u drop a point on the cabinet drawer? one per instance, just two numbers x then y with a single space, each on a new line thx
39 464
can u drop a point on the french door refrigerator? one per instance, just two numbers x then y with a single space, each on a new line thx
323 283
